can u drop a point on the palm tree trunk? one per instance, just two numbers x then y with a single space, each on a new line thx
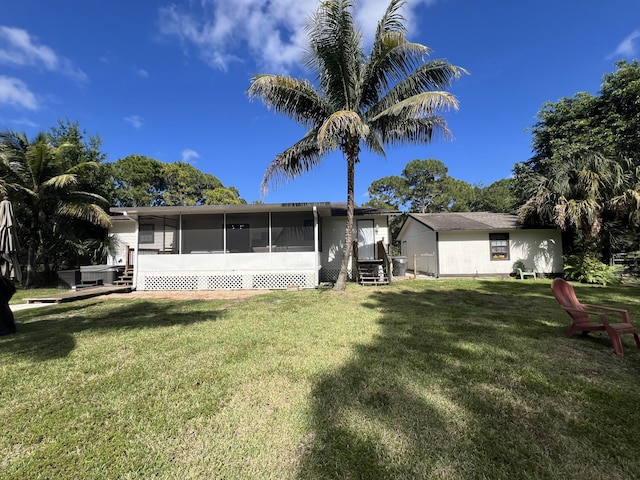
31 260
341 283
31 248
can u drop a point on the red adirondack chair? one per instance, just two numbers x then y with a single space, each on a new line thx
581 314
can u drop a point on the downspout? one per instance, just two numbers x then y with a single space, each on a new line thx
437 255
136 256
180 233
316 245
270 227
224 234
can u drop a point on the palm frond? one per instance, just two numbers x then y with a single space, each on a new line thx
83 167
342 125
374 143
420 106
410 131
61 181
391 61
335 52
85 211
294 161
87 197
431 76
295 98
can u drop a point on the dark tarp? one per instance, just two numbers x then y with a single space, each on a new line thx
9 266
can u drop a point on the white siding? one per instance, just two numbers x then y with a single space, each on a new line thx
468 253
125 232
538 249
333 241
418 244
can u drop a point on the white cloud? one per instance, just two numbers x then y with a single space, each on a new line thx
135 121
141 72
628 48
15 92
273 30
19 49
188 154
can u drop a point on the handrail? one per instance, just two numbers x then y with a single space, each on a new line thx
382 255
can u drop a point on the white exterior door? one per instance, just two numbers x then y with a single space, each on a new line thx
366 240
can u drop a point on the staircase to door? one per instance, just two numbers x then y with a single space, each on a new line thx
375 271
126 278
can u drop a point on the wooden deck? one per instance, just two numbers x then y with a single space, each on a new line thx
89 292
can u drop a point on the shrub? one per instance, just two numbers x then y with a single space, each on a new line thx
588 269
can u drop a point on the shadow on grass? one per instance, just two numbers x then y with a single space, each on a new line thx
472 383
49 332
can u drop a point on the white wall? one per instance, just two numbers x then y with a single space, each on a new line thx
468 253
333 240
418 244
125 232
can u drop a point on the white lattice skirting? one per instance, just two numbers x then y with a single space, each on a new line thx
240 281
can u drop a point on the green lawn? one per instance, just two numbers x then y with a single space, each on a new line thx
451 379
22 294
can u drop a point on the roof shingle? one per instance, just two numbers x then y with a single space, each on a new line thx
440 222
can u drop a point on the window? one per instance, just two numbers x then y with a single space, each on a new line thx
499 246
146 233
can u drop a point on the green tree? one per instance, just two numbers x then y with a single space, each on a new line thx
593 141
424 186
390 96
141 181
186 185
499 197
42 176
223 196
453 195
423 178
138 181
388 193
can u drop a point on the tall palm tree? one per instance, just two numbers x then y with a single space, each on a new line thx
390 96
37 173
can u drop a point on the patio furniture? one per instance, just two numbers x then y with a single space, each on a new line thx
521 272
582 313
526 272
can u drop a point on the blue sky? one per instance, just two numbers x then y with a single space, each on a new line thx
168 80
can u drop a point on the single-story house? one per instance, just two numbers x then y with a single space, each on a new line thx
477 243
259 246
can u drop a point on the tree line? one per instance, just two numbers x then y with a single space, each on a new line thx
425 187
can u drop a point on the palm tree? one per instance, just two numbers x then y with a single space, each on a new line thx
41 177
387 97
582 192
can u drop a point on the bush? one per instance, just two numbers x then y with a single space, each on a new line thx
588 269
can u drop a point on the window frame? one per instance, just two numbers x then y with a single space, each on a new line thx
497 250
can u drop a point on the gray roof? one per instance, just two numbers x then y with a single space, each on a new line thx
440 222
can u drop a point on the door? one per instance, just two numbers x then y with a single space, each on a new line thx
366 240
238 237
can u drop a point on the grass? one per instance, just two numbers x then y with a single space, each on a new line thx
450 379
22 294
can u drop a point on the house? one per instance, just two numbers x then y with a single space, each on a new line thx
260 246
477 243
